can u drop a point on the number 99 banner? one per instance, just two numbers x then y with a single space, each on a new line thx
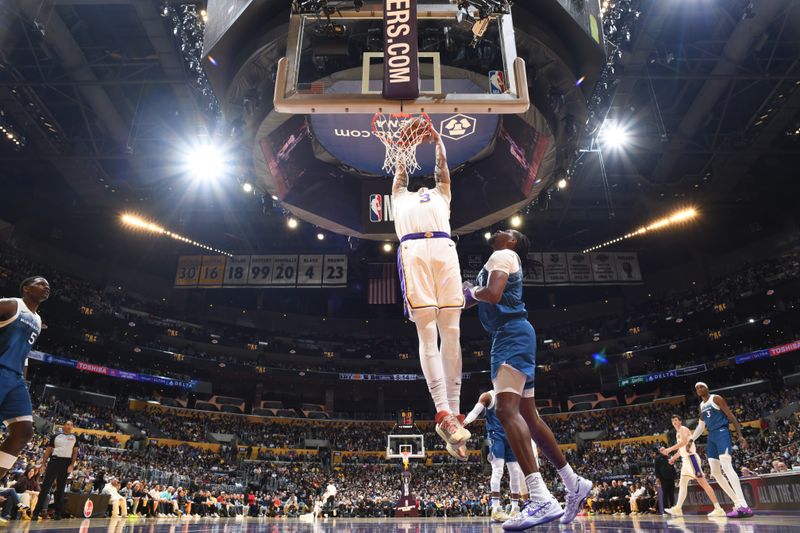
249 271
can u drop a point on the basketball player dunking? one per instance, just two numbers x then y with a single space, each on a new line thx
430 277
498 294
691 468
20 326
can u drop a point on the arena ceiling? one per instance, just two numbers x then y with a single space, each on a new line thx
105 101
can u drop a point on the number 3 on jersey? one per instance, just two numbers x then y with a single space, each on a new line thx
424 198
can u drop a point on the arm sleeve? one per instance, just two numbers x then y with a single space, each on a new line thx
473 415
504 261
698 431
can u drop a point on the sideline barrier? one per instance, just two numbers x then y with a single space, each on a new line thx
770 492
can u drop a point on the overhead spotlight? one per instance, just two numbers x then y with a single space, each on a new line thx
205 163
275 197
562 183
320 236
292 223
516 221
487 235
613 135
387 247
247 187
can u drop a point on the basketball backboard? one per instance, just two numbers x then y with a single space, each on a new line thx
335 64
412 443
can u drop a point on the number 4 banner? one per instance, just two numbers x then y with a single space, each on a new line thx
309 270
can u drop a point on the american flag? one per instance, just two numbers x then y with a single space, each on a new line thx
382 283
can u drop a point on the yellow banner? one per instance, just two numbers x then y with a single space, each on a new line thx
188 270
212 272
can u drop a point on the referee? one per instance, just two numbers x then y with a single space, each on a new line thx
62 450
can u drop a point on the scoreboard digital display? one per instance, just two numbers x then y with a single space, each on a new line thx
405 419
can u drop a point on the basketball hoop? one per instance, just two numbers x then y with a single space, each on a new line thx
405 454
401 133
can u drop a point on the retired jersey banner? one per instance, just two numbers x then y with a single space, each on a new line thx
553 269
261 271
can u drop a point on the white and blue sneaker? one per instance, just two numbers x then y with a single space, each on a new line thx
575 499
534 513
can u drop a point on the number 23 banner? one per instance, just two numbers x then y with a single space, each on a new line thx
249 271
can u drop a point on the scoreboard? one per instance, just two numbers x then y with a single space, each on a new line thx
261 271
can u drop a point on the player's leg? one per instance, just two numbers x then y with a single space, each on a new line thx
719 445
683 491
450 300
719 477
429 357
703 482
509 385
515 483
498 464
17 414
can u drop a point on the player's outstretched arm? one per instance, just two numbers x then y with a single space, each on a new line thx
441 173
719 400
400 182
484 400
698 431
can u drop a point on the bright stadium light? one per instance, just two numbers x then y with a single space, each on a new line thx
678 217
205 163
291 222
387 247
320 236
247 187
562 183
516 221
487 235
613 135
138 223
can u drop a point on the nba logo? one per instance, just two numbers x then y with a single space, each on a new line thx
375 208
497 82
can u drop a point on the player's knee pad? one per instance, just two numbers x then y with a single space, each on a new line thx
716 471
497 474
514 477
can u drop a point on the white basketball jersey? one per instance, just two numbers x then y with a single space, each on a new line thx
684 452
422 211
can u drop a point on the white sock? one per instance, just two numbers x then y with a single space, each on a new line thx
447 321
536 487
683 489
569 477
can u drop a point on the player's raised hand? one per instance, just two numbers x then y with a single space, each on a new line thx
662 451
742 442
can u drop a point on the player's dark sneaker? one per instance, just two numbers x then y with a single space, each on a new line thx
575 499
741 512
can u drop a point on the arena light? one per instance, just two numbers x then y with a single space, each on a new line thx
205 163
678 217
487 235
516 221
138 223
320 236
247 187
613 135
562 183
387 247
291 223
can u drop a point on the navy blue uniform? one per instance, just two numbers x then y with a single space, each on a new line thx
719 434
499 448
17 336
513 337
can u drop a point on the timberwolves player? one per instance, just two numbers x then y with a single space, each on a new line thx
498 293
691 468
500 455
431 281
20 325
716 415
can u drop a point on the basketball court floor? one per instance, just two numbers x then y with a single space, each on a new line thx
695 524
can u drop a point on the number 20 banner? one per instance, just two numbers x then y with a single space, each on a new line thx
261 271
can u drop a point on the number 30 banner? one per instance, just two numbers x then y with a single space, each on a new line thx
249 271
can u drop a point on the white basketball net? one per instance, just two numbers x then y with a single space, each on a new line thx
401 133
